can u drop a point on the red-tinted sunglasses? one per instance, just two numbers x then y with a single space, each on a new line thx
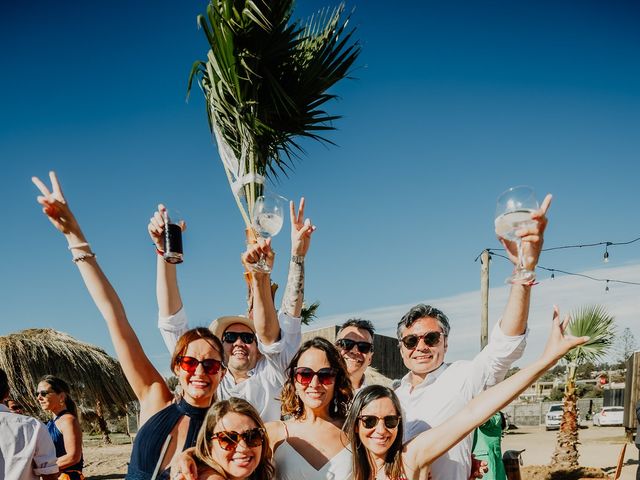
229 440
304 376
211 366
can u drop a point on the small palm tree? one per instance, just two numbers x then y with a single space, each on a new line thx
309 313
595 323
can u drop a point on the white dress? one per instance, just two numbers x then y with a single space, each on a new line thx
290 465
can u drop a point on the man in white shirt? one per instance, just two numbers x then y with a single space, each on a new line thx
258 350
26 449
355 343
433 390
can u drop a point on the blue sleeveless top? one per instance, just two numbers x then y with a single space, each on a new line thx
152 435
58 441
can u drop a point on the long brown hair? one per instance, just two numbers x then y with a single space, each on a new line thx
362 464
204 455
342 392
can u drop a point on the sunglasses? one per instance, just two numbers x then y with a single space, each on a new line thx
431 339
347 345
210 366
246 337
229 440
371 421
304 375
42 393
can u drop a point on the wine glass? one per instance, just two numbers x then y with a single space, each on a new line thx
268 217
513 212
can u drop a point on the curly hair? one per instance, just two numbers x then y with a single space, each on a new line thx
204 454
362 467
342 392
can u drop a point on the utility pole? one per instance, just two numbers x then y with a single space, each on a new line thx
484 294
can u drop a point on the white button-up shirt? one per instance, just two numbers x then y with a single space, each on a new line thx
448 389
26 449
262 388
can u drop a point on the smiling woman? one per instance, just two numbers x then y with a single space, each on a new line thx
168 426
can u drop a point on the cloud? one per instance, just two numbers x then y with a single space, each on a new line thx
568 292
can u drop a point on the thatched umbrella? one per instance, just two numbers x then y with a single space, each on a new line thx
97 382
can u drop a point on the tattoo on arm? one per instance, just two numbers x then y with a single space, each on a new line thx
294 291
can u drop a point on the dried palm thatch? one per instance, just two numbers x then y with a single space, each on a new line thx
96 379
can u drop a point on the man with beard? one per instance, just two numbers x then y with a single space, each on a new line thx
355 342
257 349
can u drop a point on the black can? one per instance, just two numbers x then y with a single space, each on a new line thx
173 243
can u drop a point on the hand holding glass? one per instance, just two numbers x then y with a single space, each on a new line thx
268 217
513 212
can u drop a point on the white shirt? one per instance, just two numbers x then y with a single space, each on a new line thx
262 388
448 389
26 449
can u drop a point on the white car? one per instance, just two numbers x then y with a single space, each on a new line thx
608 416
553 417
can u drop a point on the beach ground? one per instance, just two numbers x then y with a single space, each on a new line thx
599 447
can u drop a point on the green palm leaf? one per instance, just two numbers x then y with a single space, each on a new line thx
592 321
265 84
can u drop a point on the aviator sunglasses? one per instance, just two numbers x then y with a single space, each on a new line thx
211 366
304 376
246 337
347 345
371 421
229 440
431 339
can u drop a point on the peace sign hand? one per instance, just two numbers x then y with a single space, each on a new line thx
55 206
301 229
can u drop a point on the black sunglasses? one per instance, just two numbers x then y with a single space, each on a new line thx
246 337
347 345
211 366
42 393
431 339
371 421
304 376
229 440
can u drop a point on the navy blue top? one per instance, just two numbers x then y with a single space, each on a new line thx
152 435
58 441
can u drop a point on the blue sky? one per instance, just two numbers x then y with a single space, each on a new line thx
452 103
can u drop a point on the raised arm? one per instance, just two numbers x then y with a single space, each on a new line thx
265 318
301 230
516 313
147 384
429 445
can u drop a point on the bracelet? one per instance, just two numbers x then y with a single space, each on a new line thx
299 259
78 245
83 256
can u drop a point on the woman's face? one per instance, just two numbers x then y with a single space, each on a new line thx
49 400
315 395
240 460
198 386
378 440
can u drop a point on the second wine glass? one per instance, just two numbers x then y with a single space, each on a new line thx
267 217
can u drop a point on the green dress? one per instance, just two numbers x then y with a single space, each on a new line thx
487 446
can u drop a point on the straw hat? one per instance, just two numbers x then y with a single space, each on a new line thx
220 324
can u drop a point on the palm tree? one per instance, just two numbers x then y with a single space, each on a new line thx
309 313
594 322
265 84
97 382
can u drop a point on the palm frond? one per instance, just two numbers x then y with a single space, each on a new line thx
309 313
596 323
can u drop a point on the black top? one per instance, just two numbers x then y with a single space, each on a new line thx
152 435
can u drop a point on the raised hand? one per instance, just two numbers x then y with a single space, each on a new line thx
55 206
257 250
301 229
156 227
532 238
560 343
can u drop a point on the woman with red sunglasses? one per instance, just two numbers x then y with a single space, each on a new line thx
167 426
310 444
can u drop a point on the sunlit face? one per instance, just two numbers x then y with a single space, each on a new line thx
241 461
315 396
423 359
356 362
199 387
242 356
378 440
52 401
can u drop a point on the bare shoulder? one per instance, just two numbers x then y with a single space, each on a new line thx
67 422
277 433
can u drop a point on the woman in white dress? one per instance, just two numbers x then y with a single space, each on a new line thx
311 445
374 423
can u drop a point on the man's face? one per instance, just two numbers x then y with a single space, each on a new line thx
242 353
356 361
423 359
